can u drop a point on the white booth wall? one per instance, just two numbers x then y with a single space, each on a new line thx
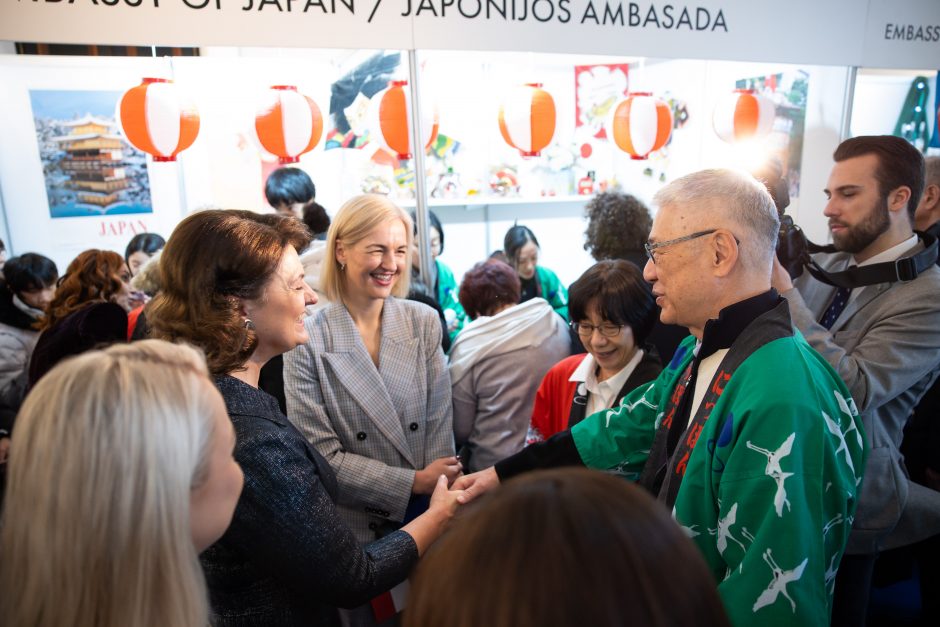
224 167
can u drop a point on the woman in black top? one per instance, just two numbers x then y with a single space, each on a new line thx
89 310
234 286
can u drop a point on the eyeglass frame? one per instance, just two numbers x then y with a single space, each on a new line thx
651 248
574 327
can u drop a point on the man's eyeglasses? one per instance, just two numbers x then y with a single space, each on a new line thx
586 330
652 248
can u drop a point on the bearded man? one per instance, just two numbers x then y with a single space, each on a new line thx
882 339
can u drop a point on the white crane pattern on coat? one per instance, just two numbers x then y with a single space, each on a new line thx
775 472
778 584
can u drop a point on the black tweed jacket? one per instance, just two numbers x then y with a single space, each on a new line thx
287 559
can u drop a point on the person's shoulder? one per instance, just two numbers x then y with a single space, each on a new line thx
414 310
786 371
319 322
104 320
444 270
547 274
566 366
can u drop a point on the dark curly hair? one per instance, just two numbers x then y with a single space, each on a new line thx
618 225
214 260
316 218
616 287
95 276
486 286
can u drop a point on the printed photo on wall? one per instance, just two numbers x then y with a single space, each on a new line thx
788 90
90 170
597 89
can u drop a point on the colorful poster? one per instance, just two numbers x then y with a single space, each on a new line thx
89 169
788 90
597 89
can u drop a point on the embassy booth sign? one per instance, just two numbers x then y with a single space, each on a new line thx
872 33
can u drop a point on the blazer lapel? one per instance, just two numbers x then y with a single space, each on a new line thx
865 296
398 353
355 371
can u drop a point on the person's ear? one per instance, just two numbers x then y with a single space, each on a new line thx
725 252
898 198
932 197
341 252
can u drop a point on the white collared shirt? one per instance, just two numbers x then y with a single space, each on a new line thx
602 393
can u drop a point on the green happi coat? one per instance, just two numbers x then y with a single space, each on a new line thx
447 298
769 490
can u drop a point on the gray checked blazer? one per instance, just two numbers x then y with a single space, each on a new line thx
886 347
375 426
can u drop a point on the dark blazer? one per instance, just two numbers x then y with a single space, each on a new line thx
93 326
287 558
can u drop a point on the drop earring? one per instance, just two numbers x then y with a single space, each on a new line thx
342 267
249 324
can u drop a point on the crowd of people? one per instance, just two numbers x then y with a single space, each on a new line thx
275 419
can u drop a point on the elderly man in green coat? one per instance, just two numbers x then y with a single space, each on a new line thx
748 436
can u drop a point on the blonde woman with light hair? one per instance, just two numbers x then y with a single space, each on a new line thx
121 472
370 388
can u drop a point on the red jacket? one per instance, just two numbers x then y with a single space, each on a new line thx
555 395
553 400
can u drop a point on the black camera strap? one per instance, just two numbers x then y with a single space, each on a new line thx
903 269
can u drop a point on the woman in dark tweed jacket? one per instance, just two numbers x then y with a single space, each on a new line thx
234 286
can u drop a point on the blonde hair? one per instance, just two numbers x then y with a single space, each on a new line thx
353 222
148 278
96 526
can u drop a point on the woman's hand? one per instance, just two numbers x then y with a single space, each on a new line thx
444 502
426 479
427 527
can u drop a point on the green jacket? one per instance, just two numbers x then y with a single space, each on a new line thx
552 290
770 488
447 298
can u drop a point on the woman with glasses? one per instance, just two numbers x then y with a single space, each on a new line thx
497 362
612 311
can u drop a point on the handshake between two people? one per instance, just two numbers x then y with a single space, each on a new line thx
450 488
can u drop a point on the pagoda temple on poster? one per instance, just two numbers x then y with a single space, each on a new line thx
94 161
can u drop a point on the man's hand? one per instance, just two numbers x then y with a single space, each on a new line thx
426 479
779 277
476 484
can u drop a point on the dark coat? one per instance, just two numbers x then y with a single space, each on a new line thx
287 559
93 326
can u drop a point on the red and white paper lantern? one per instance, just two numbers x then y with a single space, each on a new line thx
158 118
527 119
640 124
288 124
743 114
390 115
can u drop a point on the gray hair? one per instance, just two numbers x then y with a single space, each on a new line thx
932 167
730 195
